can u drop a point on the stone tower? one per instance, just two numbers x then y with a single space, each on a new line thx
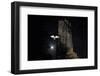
65 34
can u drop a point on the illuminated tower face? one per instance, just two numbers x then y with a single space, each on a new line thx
64 31
65 40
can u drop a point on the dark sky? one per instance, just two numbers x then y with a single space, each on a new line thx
41 27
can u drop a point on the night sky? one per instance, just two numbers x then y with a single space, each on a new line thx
41 27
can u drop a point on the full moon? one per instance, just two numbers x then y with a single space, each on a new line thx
52 47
